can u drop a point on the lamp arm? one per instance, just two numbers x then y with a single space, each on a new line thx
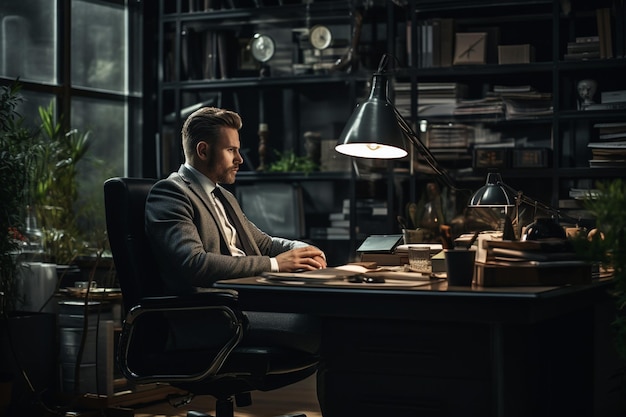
523 198
426 153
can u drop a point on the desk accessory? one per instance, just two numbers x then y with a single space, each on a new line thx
380 244
496 194
460 266
377 130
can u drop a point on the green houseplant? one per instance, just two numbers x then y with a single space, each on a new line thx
54 185
15 169
24 336
608 246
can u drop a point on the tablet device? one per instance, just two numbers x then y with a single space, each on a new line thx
380 244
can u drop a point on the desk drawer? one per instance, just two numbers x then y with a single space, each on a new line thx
378 395
409 348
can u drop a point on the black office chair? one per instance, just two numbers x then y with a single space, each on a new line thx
193 342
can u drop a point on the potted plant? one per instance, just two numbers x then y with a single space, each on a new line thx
14 176
25 337
607 246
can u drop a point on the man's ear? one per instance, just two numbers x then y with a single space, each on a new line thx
202 150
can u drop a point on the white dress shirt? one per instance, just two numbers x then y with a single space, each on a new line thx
229 229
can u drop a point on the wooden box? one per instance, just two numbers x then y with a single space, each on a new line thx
516 54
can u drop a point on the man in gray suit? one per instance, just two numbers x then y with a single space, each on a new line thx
194 237
199 234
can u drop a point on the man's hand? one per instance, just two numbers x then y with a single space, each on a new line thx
308 258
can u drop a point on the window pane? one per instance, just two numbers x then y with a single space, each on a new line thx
105 158
29 107
98 46
28 40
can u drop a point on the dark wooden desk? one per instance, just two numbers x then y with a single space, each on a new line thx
436 350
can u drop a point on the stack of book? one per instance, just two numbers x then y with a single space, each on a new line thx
583 48
433 99
610 149
523 101
449 139
609 100
370 215
530 263
488 107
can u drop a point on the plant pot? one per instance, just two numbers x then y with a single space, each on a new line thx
6 387
29 345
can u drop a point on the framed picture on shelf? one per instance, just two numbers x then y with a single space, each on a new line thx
469 48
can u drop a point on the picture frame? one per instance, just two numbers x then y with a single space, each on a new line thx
470 48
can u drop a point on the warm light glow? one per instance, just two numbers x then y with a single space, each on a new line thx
371 150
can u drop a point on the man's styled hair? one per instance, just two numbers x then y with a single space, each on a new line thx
205 124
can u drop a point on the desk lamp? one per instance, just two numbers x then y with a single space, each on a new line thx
377 130
495 193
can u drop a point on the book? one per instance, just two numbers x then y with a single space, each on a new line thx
532 273
615 96
576 47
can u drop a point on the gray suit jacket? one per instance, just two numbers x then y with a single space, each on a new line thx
185 235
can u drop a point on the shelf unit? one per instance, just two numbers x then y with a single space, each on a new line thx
548 26
290 99
296 101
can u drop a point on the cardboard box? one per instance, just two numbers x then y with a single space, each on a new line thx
516 54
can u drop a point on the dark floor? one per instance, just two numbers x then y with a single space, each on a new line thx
299 397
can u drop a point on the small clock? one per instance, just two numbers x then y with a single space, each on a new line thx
262 47
320 37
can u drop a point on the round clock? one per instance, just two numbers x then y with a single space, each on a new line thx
262 47
320 37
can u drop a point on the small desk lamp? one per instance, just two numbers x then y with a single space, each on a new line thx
377 130
495 193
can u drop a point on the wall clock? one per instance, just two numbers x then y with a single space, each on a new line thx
470 48
262 47
320 37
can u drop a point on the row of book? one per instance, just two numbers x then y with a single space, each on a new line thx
610 40
434 42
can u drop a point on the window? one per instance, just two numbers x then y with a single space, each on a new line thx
94 83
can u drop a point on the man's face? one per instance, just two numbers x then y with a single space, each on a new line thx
225 159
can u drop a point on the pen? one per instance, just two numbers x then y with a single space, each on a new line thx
473 239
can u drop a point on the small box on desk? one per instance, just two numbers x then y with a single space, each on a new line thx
516 54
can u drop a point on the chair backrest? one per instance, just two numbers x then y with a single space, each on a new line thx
125 204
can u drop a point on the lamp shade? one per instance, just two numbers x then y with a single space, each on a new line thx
373 130
493 194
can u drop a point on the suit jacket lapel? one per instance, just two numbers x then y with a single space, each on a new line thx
194 186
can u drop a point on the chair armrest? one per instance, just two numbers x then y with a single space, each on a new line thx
180 338
212 296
